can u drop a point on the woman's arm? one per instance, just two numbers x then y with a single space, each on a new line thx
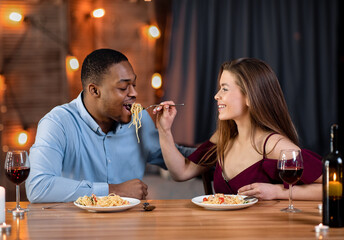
180 168
268 191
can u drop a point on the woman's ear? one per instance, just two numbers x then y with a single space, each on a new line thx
247 102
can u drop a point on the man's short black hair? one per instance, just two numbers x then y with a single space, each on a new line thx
97 63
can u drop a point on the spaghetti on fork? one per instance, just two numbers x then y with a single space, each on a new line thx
136 111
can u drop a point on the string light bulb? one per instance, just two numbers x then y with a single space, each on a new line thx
15 16
22 138
156 81
98 13
72 63
154 31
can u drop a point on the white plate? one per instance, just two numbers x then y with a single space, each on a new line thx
199 201
132 203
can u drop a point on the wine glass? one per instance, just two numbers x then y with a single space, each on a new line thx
290 168
17 170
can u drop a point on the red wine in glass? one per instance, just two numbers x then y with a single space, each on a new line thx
17 175
290 175
290 168
17 169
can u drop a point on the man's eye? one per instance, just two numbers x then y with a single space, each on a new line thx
123 89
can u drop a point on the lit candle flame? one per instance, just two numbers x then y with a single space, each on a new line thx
334 177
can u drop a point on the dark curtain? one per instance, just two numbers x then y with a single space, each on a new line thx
297 38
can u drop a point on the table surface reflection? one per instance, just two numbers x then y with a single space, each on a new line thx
171 219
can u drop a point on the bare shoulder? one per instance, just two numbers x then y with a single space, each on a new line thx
276 143
214 138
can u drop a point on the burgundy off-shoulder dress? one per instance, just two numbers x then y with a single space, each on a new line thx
263 171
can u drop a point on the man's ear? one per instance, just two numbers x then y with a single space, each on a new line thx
93 90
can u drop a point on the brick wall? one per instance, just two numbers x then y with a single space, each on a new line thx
33 59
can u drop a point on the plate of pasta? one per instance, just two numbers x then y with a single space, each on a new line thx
221 201
110 203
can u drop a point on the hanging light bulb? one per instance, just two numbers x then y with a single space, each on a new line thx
72 63
98 13
154 31
15 16
22 138
156 81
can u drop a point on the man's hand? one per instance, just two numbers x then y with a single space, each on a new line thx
134 188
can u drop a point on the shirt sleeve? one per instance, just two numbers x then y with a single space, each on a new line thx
45 182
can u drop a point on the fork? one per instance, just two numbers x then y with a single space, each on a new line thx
51 206
156 105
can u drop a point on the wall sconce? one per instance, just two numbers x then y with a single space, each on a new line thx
156 81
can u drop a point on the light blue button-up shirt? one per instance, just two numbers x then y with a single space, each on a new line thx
73 157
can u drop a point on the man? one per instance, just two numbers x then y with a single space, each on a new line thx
86 147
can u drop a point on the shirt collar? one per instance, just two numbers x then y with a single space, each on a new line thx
88 119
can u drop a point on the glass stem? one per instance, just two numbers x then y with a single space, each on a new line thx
291 196
17 196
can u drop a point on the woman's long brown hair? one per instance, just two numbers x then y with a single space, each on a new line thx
267 107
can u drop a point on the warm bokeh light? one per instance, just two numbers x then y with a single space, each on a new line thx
3 109
154 31
156 81
72 63
2 87
15 16
12 16
22 138
98 13
5 148
2 82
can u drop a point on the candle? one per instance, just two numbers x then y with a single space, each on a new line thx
335 189
2 205
321 228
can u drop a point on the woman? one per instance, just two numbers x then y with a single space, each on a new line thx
253 127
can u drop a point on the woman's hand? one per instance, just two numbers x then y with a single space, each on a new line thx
262 191
165 115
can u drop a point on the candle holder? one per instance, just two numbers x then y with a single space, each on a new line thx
5 228
321 231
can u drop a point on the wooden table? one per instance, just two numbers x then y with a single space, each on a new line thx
172 219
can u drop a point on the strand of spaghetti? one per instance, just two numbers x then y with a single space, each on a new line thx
136 111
